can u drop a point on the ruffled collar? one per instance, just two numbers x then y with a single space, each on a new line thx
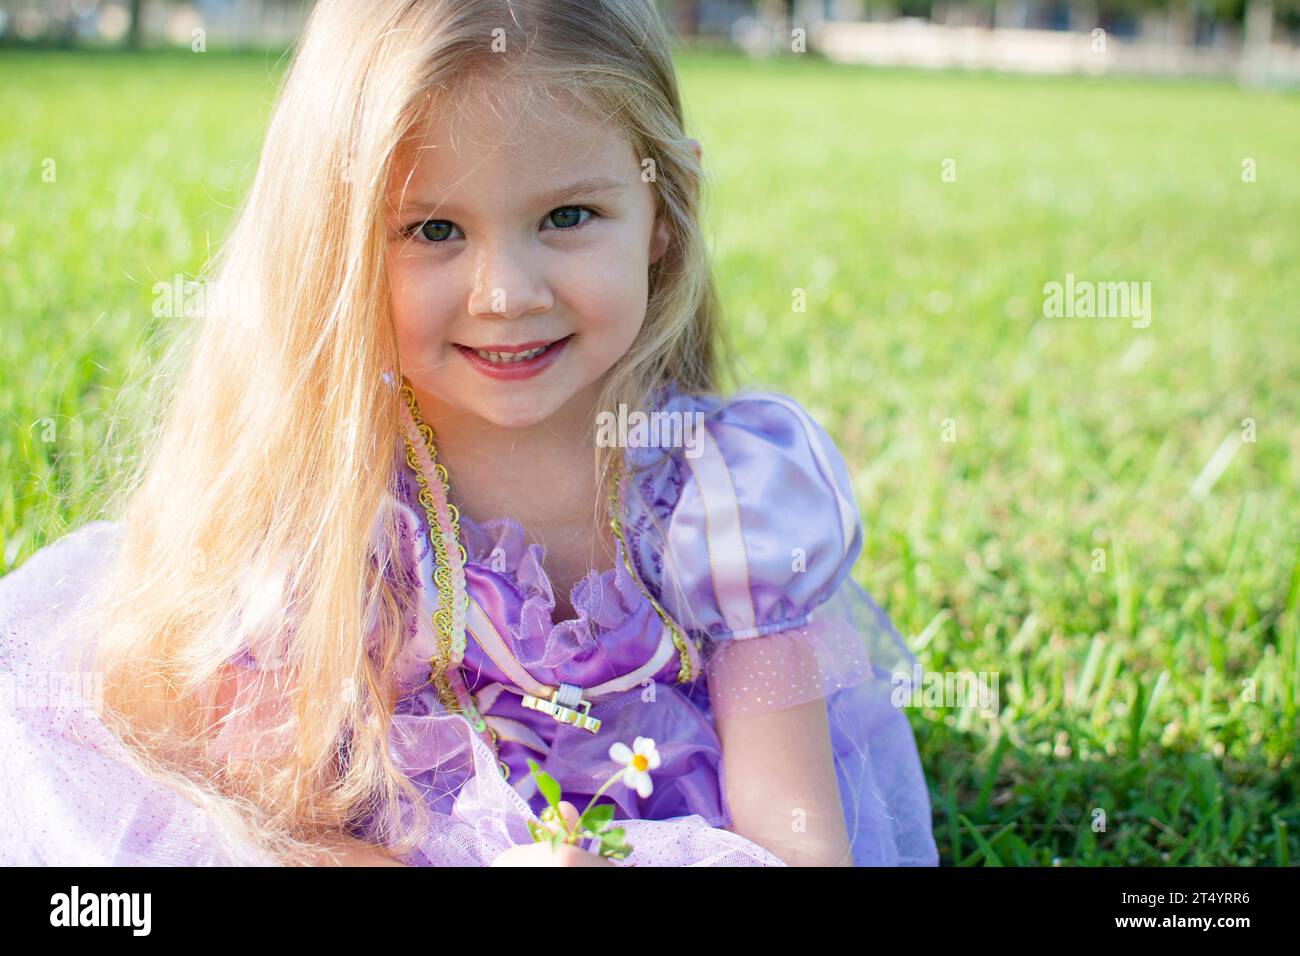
604 601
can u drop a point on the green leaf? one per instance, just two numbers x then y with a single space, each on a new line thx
612 837
612 845
597 817
547 784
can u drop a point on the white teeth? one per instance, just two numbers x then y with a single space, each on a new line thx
509 358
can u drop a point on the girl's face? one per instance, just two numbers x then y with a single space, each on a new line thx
519 228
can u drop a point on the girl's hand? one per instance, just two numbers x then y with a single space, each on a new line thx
570 814
542 854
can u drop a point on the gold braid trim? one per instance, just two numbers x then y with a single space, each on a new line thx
680 641
443 623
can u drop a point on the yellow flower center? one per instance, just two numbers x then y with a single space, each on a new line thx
639 761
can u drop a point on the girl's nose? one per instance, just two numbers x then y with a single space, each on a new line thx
507 282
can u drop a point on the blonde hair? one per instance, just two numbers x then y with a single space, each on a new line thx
274 435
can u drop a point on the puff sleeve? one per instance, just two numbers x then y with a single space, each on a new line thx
748 534
749 542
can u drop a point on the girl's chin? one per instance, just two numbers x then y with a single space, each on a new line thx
514 416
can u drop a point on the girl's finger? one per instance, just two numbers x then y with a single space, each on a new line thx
570 813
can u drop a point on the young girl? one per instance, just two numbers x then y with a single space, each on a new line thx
401 527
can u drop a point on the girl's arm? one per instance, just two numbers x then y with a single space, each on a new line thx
780 777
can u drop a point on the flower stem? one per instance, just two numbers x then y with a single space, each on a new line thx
594 797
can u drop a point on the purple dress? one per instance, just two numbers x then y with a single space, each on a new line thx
746 535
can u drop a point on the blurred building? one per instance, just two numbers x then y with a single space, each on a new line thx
1255 39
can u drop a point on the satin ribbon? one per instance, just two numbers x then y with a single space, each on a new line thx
507 728
485 634
723 537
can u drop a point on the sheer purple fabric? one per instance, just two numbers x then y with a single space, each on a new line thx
69 794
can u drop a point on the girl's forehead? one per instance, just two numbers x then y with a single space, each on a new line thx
536 135
499 116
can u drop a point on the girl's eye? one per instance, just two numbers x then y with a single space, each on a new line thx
435 230
567 214
565 219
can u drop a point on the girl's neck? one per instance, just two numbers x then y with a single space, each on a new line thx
540 475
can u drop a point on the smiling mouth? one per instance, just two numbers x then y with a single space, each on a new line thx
514 354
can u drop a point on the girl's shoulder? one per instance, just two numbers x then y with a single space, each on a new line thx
740 509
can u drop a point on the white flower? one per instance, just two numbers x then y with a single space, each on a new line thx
639 759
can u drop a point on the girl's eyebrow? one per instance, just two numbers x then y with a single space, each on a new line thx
583 187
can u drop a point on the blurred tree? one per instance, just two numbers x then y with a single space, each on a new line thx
686 16
133 24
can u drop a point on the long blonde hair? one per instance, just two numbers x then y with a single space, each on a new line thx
273 438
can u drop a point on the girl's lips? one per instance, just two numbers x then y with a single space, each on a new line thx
515 371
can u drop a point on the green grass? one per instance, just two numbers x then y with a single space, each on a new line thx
1162 690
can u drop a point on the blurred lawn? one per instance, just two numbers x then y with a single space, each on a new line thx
1162 691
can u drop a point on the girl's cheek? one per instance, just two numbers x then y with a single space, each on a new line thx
414 300
623 304
419 340
616 286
